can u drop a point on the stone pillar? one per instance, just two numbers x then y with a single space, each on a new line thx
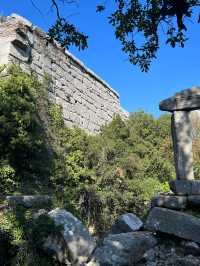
182 143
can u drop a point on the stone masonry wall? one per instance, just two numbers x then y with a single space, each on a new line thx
87 101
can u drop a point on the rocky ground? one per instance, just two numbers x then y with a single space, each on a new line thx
172 251
167 238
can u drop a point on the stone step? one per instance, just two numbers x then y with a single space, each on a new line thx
170 201
28 201
174 223
185 187
175 202
194 201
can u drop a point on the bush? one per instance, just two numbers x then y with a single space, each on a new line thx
22 140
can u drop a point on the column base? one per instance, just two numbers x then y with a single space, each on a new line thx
185 187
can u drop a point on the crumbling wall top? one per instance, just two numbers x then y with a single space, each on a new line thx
15 21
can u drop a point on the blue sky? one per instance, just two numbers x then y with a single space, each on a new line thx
172 71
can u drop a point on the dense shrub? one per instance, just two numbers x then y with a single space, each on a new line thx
24 157
26 236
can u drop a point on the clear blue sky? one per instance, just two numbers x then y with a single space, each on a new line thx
174 70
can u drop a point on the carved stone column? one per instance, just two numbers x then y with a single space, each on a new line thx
182 143
180 106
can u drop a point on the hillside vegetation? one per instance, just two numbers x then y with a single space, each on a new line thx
95 177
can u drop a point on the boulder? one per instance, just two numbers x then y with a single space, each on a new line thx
185 187
126 223
122 249
170 201
28 201
75 244
175 223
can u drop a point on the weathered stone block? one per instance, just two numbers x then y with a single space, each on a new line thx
170 201
188 99
194 200
128 222
28 201
185 187
174 223
75 244
122 249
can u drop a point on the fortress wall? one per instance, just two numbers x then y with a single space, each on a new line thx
87 101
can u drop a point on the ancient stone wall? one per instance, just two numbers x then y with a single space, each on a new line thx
87 101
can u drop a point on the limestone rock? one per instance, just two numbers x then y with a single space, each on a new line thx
169 201
175 223
75 245
126 223
122 249
185 187
28 201
188 99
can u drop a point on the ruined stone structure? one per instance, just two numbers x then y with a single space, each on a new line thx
88 102
170 211
181 106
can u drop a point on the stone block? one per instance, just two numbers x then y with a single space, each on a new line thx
185 187
170 201
122 249
28 201
194 200
190 248
188 99
74 245
174 223
128 222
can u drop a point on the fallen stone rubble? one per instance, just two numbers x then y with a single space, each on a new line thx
169 237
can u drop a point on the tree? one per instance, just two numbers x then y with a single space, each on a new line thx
137 25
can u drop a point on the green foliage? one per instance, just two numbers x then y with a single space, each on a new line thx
27 235
97 178
8 180
67 34
119 170
23 152
139 26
